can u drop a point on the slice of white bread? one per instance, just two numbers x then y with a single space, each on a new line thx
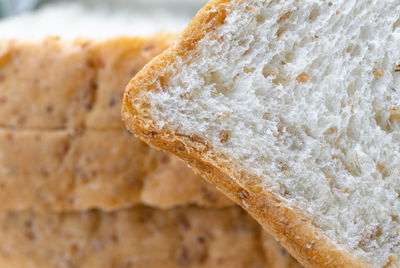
291 109
137 237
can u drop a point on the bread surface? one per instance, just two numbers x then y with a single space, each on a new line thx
62 141
108 169
70 84
290 108
137 237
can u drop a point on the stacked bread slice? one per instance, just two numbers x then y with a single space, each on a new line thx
78 190
65 144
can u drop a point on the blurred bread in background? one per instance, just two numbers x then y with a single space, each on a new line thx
137 237
94 18
63 142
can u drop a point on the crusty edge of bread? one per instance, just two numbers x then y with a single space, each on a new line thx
288 225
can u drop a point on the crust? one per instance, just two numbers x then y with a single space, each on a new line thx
289 226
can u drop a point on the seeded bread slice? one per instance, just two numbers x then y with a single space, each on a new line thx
70 84
107 169
67 148
291 109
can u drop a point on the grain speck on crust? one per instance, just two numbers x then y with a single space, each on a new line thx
3 99
183 257
112 102
243 194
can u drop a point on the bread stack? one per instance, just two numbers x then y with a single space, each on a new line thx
78 190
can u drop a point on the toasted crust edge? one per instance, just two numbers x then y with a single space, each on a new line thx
289 226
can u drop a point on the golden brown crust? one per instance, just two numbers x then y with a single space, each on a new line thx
138 237
289 226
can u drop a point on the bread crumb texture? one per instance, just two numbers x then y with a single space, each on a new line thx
312 93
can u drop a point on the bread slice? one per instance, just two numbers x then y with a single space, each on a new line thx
70 84
67 148
107 169
291 109
137 237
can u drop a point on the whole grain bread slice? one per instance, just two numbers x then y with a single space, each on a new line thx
67 148
291 109
107 169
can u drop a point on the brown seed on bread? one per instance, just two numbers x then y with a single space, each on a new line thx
302 78
378 73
